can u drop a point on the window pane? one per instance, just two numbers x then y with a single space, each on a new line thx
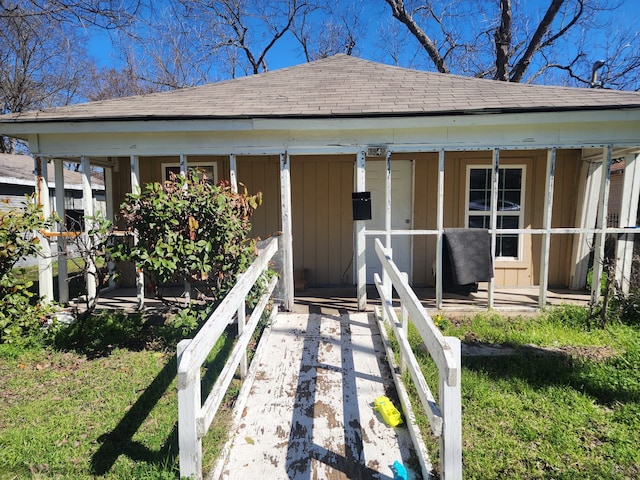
478 221
507 246
511 178
479 179
508 221
510 201
479 201
480 189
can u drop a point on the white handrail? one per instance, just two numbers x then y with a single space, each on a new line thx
445 418
194 417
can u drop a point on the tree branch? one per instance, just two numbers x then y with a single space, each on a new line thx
503 41
398 10
536 41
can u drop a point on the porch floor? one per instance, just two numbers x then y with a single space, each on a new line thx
516 300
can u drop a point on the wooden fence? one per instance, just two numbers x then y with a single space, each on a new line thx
445 416
195 417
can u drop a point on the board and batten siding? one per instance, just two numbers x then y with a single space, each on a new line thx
425 214
323 218
262 174
565 207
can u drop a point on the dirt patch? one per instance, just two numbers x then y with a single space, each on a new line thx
592 352
597 353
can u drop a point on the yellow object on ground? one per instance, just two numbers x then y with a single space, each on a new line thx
388 411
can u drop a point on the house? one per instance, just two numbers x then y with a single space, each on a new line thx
17 179
528 163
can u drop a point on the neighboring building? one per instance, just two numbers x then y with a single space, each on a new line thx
311 135
17 179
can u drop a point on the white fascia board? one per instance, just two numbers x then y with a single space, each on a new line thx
434 121
23 129
562 130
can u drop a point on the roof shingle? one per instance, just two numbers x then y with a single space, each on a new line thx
339 86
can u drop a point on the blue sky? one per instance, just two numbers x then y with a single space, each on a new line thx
285 53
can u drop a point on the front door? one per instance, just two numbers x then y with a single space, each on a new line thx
401 200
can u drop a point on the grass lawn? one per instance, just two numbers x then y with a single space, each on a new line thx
564 405
104 407
103 404
74 272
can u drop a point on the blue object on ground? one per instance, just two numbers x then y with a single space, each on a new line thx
399 471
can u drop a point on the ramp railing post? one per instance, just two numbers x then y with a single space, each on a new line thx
189 442
451 407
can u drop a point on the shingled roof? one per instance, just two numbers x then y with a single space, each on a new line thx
18 170
340 86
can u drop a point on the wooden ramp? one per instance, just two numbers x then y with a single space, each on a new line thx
307 413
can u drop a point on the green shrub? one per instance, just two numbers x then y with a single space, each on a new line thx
191 230
22 315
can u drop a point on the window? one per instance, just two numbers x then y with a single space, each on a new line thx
510 206
210 170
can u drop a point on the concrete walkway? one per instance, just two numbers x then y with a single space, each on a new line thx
308 412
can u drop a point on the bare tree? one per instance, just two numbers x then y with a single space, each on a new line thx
107 83
42 57
245 31
109 14
337 27
517 41
171 47
41 65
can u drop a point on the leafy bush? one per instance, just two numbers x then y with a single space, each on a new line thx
574 316
191 229
626 308
21 312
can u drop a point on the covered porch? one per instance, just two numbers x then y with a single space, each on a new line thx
583 241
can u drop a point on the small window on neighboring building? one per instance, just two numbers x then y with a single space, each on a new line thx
510 205
210 171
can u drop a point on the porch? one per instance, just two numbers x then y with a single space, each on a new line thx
509 300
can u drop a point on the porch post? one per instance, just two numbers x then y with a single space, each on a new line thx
185 281
109 211
440 225
628 214
233 175
587 202
546 225
386 281
45 265
135 188
361 239
183 165
494 219
87 198
603 200
287 234
63 284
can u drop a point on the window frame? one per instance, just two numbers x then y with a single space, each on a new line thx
519 214
213 166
